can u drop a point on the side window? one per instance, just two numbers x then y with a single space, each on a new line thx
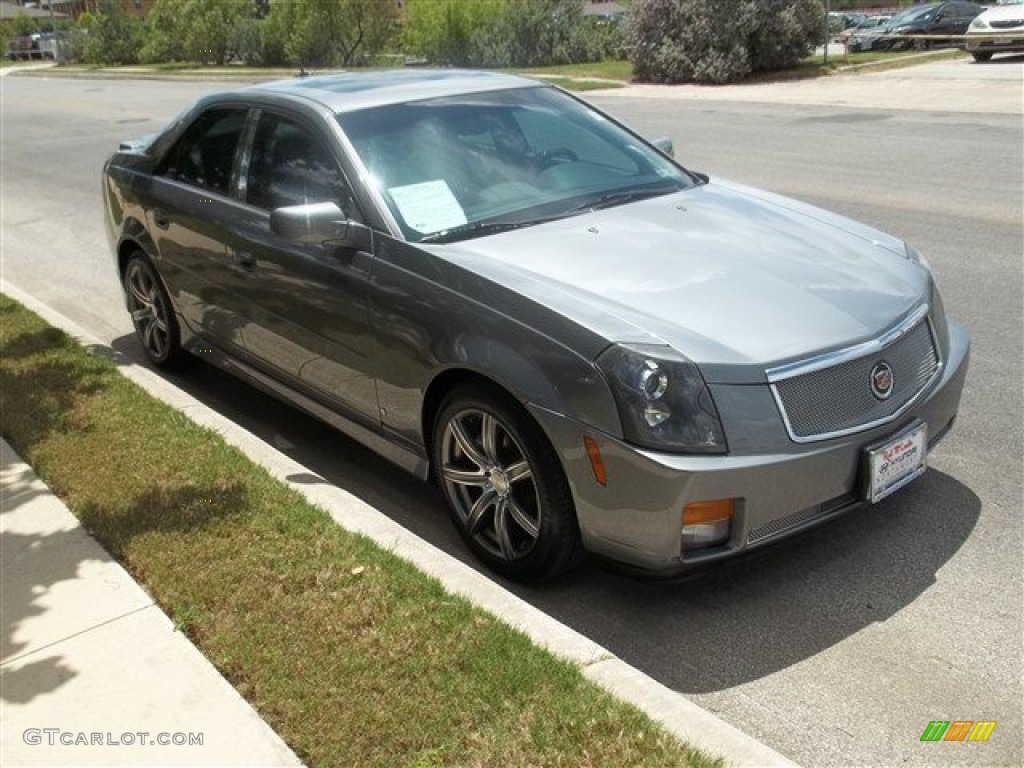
290 166
205 155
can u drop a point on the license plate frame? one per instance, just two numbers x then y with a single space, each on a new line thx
893 464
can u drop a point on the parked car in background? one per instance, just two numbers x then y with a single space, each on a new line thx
497 286
871 22
997 30
921 26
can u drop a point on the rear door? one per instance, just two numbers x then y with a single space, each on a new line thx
189 212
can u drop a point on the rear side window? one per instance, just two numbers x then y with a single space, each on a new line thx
205 155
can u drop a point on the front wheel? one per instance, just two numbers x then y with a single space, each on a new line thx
981 57
152 314
504 485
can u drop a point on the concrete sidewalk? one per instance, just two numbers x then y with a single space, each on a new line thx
91 671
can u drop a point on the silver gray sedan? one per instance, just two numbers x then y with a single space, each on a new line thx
500 288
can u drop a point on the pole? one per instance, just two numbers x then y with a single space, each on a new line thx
828 34
56 35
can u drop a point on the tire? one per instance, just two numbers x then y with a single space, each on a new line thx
156 325
504 485
981 58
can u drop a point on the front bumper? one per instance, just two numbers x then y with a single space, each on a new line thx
1002 42
636 517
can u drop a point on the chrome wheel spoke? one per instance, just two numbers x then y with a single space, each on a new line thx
471 477
518 471
152 338
143 315
466 444
530 527
482 504
501 516
489 438
141 297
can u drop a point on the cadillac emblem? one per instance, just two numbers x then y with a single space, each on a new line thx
881 380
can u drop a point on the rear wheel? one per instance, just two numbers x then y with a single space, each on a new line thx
504 485
152 314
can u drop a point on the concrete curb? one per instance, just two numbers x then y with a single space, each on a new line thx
677 714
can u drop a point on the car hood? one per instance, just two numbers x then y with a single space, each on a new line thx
735 278
1001 13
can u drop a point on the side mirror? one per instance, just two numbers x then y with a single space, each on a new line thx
664 145
316 224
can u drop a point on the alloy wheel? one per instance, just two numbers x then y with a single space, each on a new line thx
489 479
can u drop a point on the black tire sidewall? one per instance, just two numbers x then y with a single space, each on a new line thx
557 545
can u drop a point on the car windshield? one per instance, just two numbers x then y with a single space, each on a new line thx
911 14
458 167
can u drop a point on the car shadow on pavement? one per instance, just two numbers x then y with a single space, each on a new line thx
742 621
725 626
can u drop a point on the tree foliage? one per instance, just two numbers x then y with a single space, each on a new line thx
193 30
717 41
328 32
113 36
502 33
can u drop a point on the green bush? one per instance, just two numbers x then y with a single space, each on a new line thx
506 33
193 30
113 37
327 32
718 41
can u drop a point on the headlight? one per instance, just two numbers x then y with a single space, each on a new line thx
979 23
663 401
915 256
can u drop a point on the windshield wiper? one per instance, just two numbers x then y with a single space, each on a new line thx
468 231
623 196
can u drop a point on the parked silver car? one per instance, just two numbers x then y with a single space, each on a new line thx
495 285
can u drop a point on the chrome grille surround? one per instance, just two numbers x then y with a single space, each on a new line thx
829 396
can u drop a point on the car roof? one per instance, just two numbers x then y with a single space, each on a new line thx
360 90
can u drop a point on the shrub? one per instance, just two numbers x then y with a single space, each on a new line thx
327 32
718 41
113 37
506 33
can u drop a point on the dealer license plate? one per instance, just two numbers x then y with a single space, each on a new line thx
897 462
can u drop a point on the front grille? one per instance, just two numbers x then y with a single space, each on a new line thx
1010 24
798 519
838 399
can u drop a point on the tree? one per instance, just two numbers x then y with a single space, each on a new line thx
717 41
329 32
443 30
193 30
503 33
114 37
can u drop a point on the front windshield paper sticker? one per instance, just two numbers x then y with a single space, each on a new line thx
428 207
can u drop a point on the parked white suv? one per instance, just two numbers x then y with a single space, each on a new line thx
1000 29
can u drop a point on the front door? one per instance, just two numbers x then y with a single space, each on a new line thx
310 317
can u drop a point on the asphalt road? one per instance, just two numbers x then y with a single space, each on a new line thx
836 649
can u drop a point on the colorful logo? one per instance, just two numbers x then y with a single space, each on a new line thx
958 730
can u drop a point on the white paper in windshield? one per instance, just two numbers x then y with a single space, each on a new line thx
429 206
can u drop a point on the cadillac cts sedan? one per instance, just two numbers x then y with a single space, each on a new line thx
587 346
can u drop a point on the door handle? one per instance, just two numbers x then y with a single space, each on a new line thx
161 219
245 260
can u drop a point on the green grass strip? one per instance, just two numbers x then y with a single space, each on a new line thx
352 655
